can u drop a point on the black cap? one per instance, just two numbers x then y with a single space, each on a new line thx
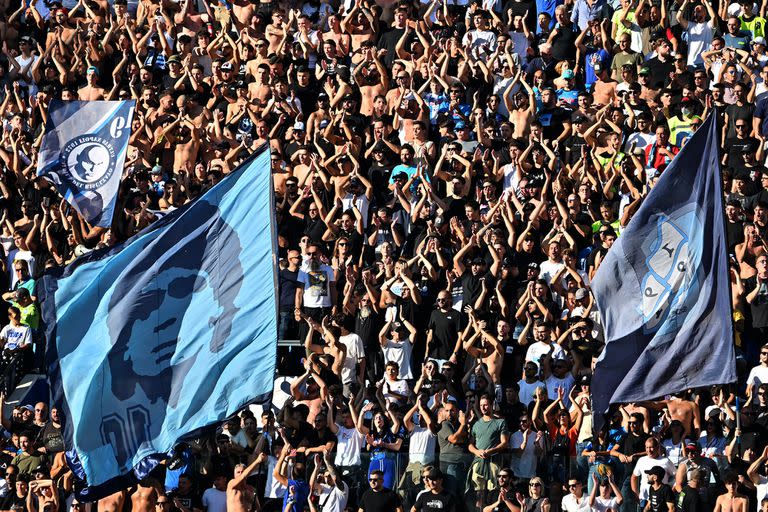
656 470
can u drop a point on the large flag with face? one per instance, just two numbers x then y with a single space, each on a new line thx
663 288
83 153
172 331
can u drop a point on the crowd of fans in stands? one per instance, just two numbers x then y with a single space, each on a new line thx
448 177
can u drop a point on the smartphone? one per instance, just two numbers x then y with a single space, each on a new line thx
46 202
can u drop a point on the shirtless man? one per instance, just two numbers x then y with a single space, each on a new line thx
91 92
337 35
682 410
521 109
240 495
490 351
243 12
275 31
731 501
113 502
260 89
604 87
749 251
187 144
145 496
373 80
361 26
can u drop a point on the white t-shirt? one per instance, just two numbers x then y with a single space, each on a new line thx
215 500
645 463
399 352
571 503
355 353
398 386
362 204
16 337
348 446
699 40
674 451
524 464
317 286
422 445
566 383
548 269
273 488
762 489
528 391
331 498
538 349
758 375
602 504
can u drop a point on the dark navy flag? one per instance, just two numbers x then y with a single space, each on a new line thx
83 153
170 332
663 288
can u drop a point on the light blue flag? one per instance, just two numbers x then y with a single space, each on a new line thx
663 288
83 154
170 332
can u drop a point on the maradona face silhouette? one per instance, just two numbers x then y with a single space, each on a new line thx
179 276
91 163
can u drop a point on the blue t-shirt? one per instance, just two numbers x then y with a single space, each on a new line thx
301 495
569 97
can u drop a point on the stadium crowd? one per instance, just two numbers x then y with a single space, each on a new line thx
448 177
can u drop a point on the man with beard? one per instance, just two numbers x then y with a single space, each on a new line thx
316 290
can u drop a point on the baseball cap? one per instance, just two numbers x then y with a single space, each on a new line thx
579 119
582 294
29 407
759 40
478 260
567 74
656 470
644 71
227 66
157 169
690 444
461 125
173 58
298 126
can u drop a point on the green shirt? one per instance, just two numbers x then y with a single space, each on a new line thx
30 315
487 434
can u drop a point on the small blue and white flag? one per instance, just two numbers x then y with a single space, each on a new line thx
663 289
83 153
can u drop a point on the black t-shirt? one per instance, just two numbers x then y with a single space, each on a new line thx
382 501
51 438
634 444
552 120
736 113
734 234
660 71
759 307
189 501
445 331
471 285
564 43
428 501
388 42
494 495
13 502
658 498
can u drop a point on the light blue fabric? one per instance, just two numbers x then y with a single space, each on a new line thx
174 330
